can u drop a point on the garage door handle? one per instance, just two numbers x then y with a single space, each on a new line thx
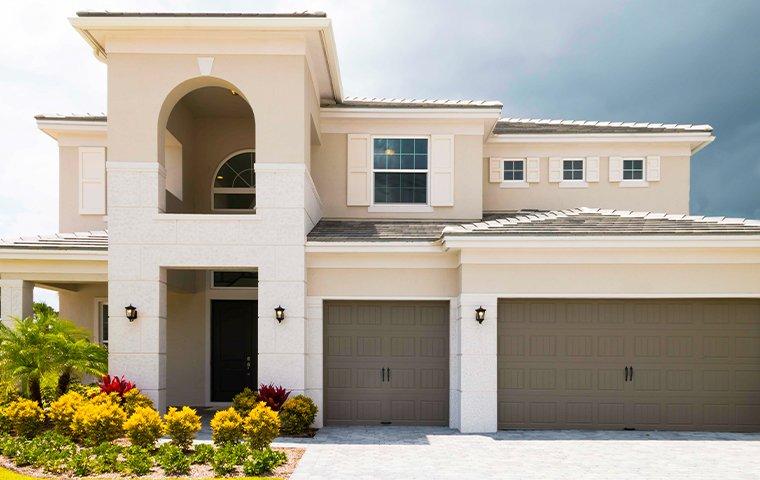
389 374
382 374
626 374
631 377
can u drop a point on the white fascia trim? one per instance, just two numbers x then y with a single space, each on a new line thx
410 113
622 241
64 255
373 247
629 295
699 138
53 128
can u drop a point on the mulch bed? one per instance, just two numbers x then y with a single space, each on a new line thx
196 471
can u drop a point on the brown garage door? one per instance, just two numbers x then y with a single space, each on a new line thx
386 362
695 364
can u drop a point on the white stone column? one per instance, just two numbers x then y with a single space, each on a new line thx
16 299
314 356
282 346
137 350
474 358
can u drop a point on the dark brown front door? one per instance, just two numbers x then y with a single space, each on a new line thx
233 347
386 363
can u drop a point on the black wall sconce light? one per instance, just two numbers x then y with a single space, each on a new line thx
131 312
480 314
279 313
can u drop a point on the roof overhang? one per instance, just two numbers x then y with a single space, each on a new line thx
62 128
746 241
96 29
696 140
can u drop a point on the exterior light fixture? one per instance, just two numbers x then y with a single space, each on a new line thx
480 314
233 92
279 313
131 312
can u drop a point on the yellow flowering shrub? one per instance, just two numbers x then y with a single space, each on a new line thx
61 411
182 425
98 421
226 427
261 426
297 414
133 399
25 417
144 427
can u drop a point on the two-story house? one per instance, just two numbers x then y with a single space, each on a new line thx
237 220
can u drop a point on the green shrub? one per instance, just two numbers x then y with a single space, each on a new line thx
6 427
173 460
81 463
134 399
144 427
202 454
25 416
49 394
61 411
244 401
261 426
106 458
181 426
226 427
9 445
227 458
297 414
263 461
137 461
97 421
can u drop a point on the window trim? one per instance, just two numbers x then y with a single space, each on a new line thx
97 331
643 178
215 190
575 183
399 207
515 183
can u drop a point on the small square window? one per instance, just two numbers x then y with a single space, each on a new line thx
572 170
514 170
633 169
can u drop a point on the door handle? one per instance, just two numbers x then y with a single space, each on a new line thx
389 374
626 374
631 375
382 374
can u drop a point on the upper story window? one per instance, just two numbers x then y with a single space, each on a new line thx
400 170
514 171
235 183
633 169
572 169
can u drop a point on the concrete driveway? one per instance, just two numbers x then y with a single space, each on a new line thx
439 453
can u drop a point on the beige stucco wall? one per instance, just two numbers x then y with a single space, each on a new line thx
185 348
670 194
69 219
382 282
612 279
329 163
81 306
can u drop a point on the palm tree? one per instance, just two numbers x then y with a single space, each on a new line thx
46 344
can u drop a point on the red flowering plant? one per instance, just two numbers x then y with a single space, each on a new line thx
273 396
118 385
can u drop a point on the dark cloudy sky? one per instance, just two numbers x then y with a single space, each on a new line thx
657 61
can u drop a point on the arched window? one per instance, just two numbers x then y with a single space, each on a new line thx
235 183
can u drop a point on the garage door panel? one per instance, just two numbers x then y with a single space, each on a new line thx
696 364
386 362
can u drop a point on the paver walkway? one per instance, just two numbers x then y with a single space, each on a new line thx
379 453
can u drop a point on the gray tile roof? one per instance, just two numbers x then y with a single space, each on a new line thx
375 102
59 241
572 222
73 117
200 14
506 126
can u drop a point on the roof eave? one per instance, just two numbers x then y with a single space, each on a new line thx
698 140
471 240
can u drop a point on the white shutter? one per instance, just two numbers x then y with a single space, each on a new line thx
358 170
442 170
495 166
653 168
533 169
555 169
592 169
616 169
92 180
